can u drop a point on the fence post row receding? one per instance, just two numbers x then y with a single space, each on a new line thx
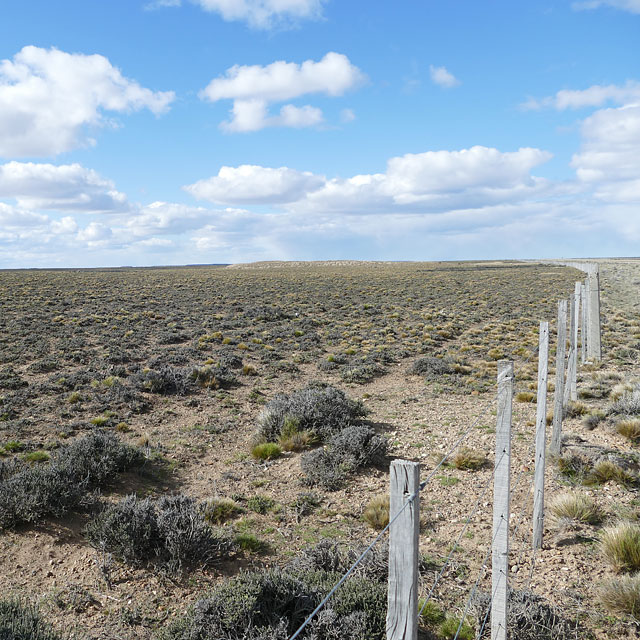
402 612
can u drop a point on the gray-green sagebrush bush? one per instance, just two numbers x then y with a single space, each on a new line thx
19 621
354 447
320 408
327 416
530 617
170 532
30 493
273 603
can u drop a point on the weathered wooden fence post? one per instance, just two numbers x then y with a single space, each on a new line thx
583 328
576 326
402 612
570 389
558 408
541 431
594 349
501 491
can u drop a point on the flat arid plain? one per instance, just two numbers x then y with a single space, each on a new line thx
260 406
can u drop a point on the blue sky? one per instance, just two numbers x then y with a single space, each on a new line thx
145 132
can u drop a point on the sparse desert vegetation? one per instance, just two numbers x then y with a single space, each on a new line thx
192 452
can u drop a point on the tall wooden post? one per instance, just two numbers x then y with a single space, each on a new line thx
541 431
558 408
576 326
501 491
594 348
583 327
402 612
570 389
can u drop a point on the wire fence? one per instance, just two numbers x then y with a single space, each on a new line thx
480 491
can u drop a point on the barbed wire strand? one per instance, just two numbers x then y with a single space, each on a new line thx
486 615
455 446
455 546
411 498
462 532
409 501
483 566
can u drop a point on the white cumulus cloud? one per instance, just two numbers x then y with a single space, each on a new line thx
254 87
433 181
442 77
49 97
69 187
95 234
262 14
594 96
609 159
632 6
251 184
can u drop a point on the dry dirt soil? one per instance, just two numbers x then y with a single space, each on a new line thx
77 346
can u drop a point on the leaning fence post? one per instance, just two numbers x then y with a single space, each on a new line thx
541 429
558 408
402 612
501 490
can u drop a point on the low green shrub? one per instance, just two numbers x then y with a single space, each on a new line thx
266 451
453 627
432 615
219 510
37 456
250 542
261 504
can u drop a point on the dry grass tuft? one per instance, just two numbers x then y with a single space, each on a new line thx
621 595
620 545
575 409
629 429
377 512
575 506
605 471
469 459
525 396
